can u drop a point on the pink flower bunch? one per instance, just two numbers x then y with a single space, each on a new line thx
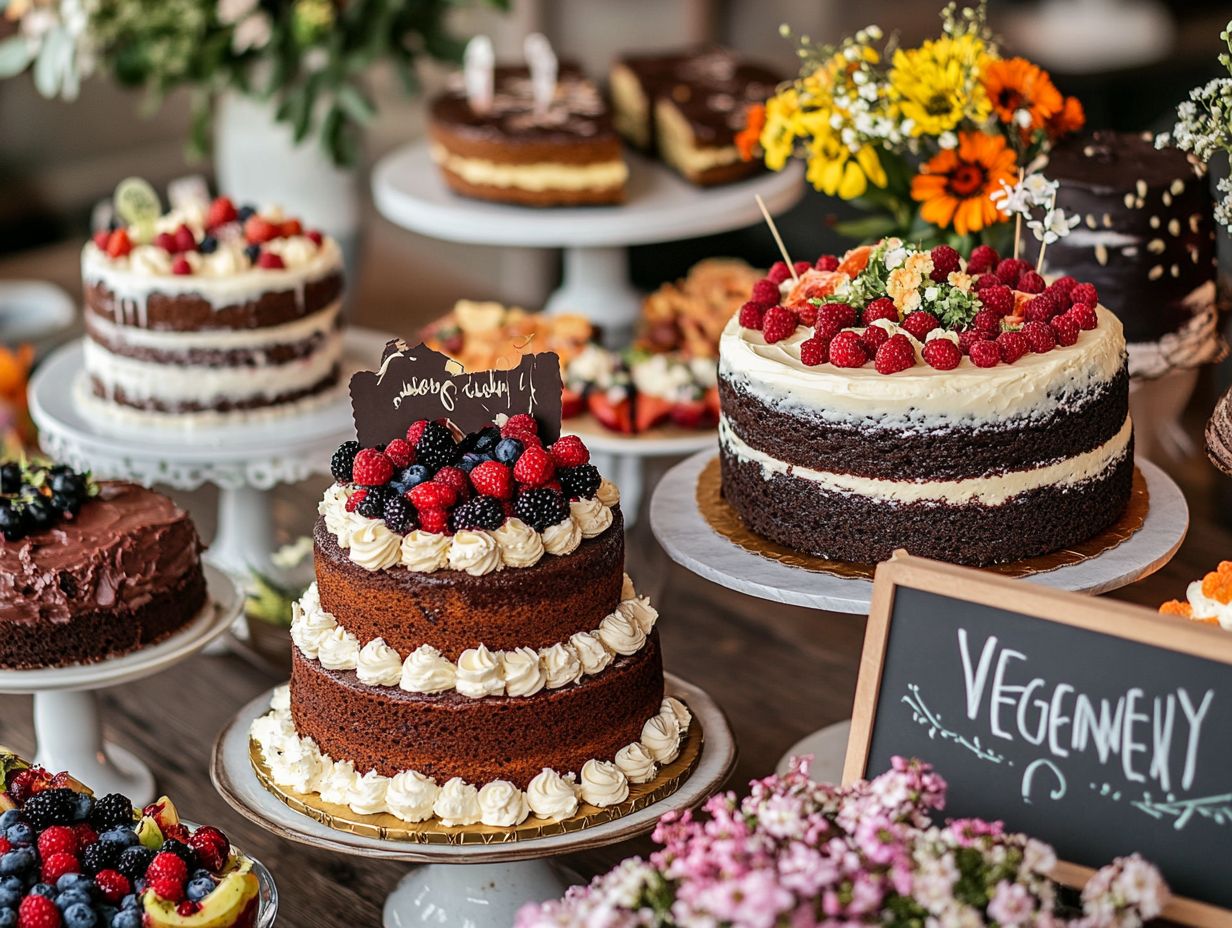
797 854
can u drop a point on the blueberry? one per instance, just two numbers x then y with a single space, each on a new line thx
40 513
10 818
246 212
8 918
473 459
253 252
200 888
130 902
17 861
13 523
82 804
127 918
208 245
20 835
43 889
508 450
124 837
72 881
69 484
80 916
10 896
67 900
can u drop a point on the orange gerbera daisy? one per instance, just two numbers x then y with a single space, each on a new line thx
1069 118
748 138
1014 85
954 186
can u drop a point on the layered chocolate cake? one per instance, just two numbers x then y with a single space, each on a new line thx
901 399
688 107
471 650
211 315
90 571
563 154
1146 240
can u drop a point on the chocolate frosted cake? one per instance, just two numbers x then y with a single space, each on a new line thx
901 399
209 316
688 107
1146 240
471 650
566 154
90 571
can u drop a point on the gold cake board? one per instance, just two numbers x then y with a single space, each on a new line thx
387 827
723 518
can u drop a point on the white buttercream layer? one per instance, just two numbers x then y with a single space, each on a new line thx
297 764
992 490
538 177
319 323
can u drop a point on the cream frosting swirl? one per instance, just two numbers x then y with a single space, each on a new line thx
474 552
502 805
339 650
457 803
636 763
520 545
562 538
310 624
591 652
678 710
523 673
426 670
378 664
607 493
338 521
424 552
561 666
410 796
590 516
550 795
621 634
603 784
661 737
374 546
368 794
479 674
338 783
639 611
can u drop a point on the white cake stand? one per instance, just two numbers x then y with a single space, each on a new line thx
243 461
690 541
67 723
660 207
498 878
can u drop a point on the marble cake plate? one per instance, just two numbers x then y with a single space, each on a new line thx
68 724
498 878
688 538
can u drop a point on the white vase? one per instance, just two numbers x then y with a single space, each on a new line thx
257 161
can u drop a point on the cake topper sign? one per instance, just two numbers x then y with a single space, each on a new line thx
419 383
478 62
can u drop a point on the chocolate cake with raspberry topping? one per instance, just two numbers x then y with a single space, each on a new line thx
90 571
900 398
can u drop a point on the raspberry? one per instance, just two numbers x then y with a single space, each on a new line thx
814 351
522 422
180 267
1040 337
827 263
998 298
983 258
355 499
1066 328
987 321
372 468
881 308
985 354
832 317
807 314
897 354
945 262
920 323
492 478
1058 295
290 227
873 338
1084 315
765 293
581 482
258 231
433 495
457 478
38 912
434 521
482 512
779 272
969 337
1031 282
220 211
801 266
1064 285
541 508
1010 269
315 236
415 432
165 241
112 885
56 865
1084 293
167 865
184 239
118 244
58 839
165 887
751 315
1012 346
569 451
100 239
847 351
85 834
5 846
1040 308
400 453
340 464
779 323
942 354
986 280
534 468
270 261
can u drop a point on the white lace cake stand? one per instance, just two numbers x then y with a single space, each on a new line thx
660 207
68 725
498 878
690 541
243 461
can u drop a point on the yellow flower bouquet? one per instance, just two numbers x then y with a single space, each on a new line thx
920 138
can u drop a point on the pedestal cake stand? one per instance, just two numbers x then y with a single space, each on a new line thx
689 540
243 461
660 207
68 725
498 878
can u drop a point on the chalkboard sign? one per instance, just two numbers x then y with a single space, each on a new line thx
420 383
1099 727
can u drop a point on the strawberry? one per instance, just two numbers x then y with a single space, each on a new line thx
534 468
650 410
492 478
1012 346
290 227
814 351
180 266
778 324
920 323
221 211
415 431
985 354
211 845
435 521
433 495
184 239
751 315
118 244
897 354
569 451
166 241
400 452
114 885
100 239
372 468
945 262
881 308
38 912
572 403
983 259
258 231
847 351
942 354
694 414
270 261
612 413
315 236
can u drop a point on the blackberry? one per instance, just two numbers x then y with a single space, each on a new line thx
101 855
13 523
208 245
372 506
580 482
134 861
40 514
50 807
10 477
113 809
436 447
483 441
541 508
69 484
399 515
182 851
253 253
340 464
481 512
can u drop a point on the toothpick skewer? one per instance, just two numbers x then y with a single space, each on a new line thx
778 239
1017 223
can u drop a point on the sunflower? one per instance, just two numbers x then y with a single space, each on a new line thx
954 186
780 127
1069 118
1015 85
836 170
937 85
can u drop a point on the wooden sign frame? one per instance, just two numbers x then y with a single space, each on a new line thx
1103 616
